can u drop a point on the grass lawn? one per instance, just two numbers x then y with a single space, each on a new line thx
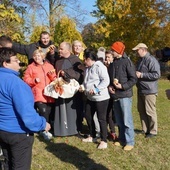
69 153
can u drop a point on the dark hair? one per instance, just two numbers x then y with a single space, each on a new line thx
90 53
109 52
4 40
44 33
6 54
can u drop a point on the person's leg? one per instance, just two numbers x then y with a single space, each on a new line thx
97 126
150 103
119 121
17 150
89 114
126 107
142 113
110 116
43 109
101 114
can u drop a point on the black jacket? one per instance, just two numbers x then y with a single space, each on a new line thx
30 48
124 70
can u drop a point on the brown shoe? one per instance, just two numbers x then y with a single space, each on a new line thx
128 147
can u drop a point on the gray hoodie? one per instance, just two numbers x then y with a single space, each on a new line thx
97 78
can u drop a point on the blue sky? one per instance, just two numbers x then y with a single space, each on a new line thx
88 5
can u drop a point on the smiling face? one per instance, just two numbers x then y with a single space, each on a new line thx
109 57
77 47
38 57
45 39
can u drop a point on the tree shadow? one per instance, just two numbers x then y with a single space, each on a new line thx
73 155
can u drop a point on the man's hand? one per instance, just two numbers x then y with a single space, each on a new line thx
118 85
52 49
48 127
111 89
138 74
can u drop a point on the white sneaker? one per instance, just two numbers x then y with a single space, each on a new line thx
49 135
90 139
46 135
102 145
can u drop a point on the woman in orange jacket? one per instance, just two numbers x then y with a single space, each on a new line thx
38 75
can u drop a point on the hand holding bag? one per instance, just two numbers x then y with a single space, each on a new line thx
62 88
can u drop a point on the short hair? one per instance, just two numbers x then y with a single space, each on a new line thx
4 40
77 41
44 33
6 54
39 51
68 46
109 52
90 53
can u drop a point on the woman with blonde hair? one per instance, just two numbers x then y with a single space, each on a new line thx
38 75
78 49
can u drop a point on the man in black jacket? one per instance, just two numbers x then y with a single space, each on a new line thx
122 79
45 44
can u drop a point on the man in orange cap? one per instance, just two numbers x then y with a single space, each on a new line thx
122 79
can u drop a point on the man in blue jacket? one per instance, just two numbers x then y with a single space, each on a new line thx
148 73
18 118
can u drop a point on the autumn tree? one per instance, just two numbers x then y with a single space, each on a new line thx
10 22
49 12
89 37
131 21
65 30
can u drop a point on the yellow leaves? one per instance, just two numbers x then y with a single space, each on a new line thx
9 15
65 30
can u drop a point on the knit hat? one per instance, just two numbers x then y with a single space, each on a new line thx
118 47
101 53
140 45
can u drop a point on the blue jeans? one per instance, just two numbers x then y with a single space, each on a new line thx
124 120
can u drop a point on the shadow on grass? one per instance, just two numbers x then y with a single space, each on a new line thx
167 92
74 156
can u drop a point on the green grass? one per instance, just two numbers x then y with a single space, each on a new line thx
69 153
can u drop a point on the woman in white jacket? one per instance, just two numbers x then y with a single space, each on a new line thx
96 81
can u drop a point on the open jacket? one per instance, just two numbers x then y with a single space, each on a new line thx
34 71
123 70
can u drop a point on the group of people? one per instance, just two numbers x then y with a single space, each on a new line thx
105 95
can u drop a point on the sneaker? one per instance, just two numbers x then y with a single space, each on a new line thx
46 135
117 143
102 145
49 135
90 139
128 148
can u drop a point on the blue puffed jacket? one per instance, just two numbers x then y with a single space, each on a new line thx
17 113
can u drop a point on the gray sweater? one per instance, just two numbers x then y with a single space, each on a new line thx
97 78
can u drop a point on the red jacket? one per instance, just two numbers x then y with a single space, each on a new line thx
34 71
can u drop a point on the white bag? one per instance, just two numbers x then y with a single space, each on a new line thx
60 88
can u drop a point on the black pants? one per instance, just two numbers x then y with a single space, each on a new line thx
110 116
101 109
44 109
17 150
